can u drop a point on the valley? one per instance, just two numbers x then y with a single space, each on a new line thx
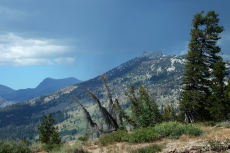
161 75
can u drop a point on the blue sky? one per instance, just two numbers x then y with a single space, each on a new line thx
85 38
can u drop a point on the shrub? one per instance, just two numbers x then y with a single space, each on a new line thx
84 138
192 130
163 130
51 147
209 123
151 149
176 129
117 136
14 147
143 135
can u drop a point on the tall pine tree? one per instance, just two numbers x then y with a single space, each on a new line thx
201 65
218 99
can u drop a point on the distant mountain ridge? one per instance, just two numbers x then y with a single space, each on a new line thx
161 75
47 86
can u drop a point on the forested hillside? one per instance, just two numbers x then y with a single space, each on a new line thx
162 75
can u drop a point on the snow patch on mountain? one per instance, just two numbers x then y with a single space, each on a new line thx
173 61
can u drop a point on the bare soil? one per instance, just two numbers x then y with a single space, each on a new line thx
183 144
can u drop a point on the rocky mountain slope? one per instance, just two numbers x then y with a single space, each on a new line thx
162 75
47 86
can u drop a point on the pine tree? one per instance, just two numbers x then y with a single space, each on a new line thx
228 88
201 65
218 100
195 89
144 110
228 99
47 133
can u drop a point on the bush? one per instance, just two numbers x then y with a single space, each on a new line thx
151 149
192 130
117 136
176 129
84 138
143 135
51 147
209 123
163 130
14 147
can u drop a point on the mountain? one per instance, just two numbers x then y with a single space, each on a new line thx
162 75
47 86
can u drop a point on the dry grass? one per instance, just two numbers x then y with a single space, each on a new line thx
211 133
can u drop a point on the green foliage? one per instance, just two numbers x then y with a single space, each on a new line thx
84 138
47 133
51 147
143 135
219 104
203 99
117 136
176 129
169 113
150 149
15 147
144 110
209 123
149 134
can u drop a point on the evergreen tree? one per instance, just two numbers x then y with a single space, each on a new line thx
201 64
169 113
47 133
228 88
144 110
219 104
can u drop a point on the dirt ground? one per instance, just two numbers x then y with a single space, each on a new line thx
183 144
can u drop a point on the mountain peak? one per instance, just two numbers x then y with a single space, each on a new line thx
47 86
51 82
152 55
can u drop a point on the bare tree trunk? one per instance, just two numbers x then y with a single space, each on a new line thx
109 119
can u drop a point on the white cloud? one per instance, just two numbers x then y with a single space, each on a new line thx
15 50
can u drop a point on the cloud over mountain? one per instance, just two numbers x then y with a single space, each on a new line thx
19 51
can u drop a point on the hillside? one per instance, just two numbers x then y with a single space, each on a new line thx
47 86
162 75
214 139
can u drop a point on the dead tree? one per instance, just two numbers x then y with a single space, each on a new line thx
110 121
111 117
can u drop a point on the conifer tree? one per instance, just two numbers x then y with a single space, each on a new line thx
219 105
201 65
195 89
228 88
48 134
144 110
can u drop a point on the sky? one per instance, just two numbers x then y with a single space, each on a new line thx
85 38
